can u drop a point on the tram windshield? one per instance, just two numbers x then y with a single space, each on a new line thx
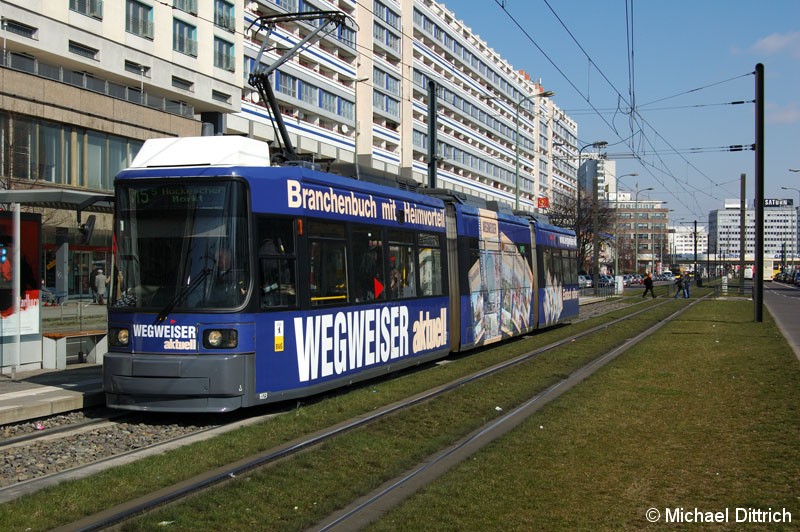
181 245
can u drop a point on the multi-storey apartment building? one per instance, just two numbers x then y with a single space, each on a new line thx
597 167
780 230
641 233
683 241
362 97
85 82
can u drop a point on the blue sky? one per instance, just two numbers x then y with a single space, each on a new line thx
690 59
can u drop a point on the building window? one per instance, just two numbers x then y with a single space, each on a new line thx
392 106
136 68
347 109
184 39
81 49
90 8
309 94
221 96
393 85
347 36
180 83
12 26
139 19
189 6
223 54
286 84
223 15
327 101
288 5
61 153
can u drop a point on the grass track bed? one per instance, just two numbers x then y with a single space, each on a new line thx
704 415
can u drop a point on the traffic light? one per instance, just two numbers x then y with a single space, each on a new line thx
3 253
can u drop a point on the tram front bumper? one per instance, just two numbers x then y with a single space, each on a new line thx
183 383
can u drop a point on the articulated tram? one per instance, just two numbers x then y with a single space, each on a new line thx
237 283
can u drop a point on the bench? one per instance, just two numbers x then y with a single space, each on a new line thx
54 347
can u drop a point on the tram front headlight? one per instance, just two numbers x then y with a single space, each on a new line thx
220 339
119 336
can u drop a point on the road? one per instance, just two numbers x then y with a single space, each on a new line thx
783 302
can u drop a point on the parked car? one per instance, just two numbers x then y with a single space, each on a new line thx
605 280
584 281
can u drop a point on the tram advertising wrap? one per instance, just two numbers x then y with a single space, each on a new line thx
306 349
557 279
238 283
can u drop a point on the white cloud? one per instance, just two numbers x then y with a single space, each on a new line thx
782 114
779 43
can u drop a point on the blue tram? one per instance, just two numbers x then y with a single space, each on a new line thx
236 283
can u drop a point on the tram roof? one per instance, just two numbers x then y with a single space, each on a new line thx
202 151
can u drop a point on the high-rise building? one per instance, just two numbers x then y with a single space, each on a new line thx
683 241
780 230
86 82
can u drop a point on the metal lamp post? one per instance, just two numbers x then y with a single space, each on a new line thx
356 125
616 222
544 94
635 229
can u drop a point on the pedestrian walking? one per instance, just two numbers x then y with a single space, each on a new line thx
100 286
648 285
93 284
686 283
678 286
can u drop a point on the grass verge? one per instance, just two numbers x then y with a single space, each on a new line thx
706 415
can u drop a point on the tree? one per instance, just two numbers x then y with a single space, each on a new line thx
567 211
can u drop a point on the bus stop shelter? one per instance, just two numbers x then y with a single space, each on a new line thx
21 338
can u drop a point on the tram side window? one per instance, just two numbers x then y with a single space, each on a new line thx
526 253
402 265
558 275
473 281
570 267
368 256
430 265
547 260
277 263
328 268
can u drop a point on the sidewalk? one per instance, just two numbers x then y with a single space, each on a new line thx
41 393
45 392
